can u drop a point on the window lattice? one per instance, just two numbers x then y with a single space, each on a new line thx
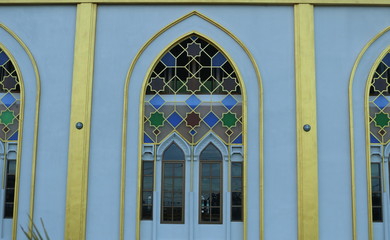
9 99
193 90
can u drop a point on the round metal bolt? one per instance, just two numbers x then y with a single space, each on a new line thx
79 125
306 127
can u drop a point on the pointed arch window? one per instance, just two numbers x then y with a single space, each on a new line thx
10 99
172 189
210 187
192 91
379 122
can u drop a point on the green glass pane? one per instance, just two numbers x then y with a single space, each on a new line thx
156 119
229 119
7 117
382 119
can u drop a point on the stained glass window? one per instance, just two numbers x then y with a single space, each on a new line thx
9 126
193 90
379 121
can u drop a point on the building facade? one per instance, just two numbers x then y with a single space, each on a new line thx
195 120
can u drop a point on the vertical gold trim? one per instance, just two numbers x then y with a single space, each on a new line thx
352 141
79 139
307 162
124 129
35 140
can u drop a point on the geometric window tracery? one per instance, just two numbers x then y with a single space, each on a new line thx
9 127
379 118
193 90
9 99
379 124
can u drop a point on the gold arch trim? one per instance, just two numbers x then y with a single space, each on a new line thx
125 114
367 130
36 124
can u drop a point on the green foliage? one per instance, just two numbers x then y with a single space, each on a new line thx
33 232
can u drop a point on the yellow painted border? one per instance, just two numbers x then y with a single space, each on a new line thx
125 114
352 142
36 124
306 113
214 2
79 139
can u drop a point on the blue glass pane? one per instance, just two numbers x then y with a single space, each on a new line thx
157 101
218 59
193 101
381 102
238 139
147 139
14 136
8 99
192 132
168 60
373 139
175 119
210 153
211 119
173 152
229 102
3 58
386 60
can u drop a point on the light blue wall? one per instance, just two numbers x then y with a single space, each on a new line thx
340 34
267 32
49 33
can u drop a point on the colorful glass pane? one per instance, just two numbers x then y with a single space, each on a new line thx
379 108
9 99
193 90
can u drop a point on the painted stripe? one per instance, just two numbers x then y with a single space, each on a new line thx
79 139
307 160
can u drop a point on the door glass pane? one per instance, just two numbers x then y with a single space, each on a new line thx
173 192
210 201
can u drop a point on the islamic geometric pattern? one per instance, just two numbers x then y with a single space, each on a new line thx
193 90
9 99
379 99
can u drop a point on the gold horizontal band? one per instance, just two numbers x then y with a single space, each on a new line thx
214 2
